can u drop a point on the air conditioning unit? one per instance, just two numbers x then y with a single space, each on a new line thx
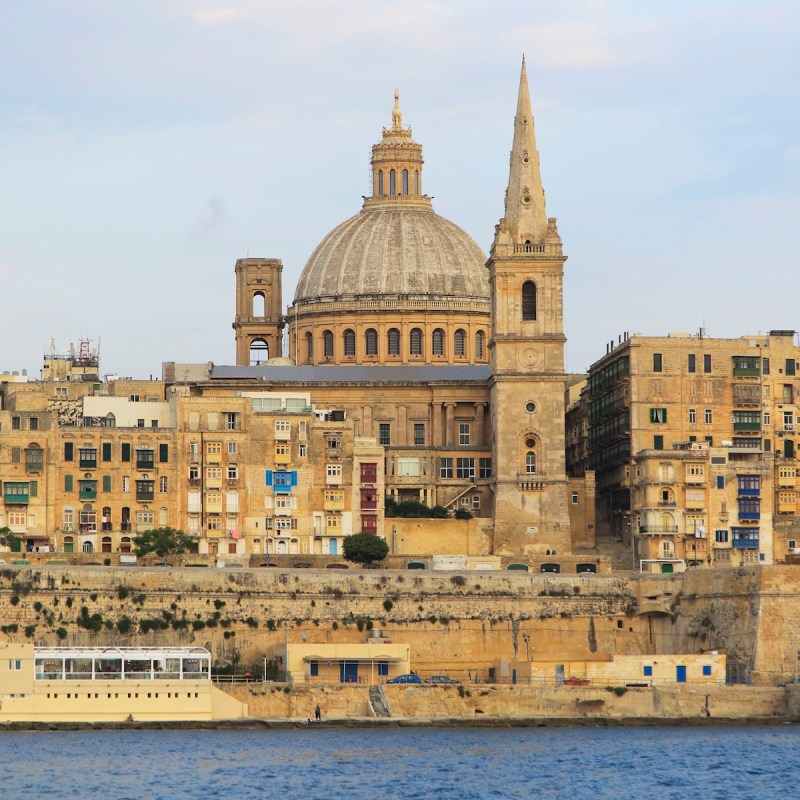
726 443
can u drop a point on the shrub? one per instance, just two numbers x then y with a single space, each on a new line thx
462 513
61 633
218 604
68 602
37 606
198 624
271 625
14 599
388 604
124 626
123 592
30 630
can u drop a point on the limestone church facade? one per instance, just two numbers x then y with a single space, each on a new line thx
449 362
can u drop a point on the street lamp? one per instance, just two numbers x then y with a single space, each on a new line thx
527 639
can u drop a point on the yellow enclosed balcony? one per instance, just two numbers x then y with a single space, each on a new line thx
334 501
283 454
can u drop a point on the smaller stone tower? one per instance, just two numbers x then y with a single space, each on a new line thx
259 317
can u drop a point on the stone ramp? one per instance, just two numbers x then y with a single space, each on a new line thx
377 699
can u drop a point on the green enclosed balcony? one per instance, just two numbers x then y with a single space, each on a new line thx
87 490
16 493
746 367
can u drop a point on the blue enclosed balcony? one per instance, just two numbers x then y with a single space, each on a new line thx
745 543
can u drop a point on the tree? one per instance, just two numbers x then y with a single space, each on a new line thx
364 548
163 542
10 539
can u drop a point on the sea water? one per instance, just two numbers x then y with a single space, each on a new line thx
735 763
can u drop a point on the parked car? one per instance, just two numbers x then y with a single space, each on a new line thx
441 680
408 678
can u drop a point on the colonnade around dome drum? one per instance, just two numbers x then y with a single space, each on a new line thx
391 337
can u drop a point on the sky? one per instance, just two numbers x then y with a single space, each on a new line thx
145 145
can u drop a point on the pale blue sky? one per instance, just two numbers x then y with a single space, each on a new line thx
145 145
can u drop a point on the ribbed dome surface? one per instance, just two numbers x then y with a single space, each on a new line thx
395 251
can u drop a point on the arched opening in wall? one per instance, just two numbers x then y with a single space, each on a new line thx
106 518
415 342
280 546
528 246
259 304
259 352
105 544
327 344
393 342
667 550
349 342
531 460
392 183
125 544
371 342
667 524
405 181
380 182
667 498
309 347
437 342
294 546
69 544
416 181
529 300
125 518
87 547
480 343
458 343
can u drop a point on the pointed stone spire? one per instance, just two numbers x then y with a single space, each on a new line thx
525 219
397 114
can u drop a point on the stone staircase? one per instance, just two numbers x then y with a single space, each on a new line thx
377 699
619 553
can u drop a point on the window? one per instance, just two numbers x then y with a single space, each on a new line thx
163 484
463 433
647 671
33 423
720 481
384 433
309 347
163 453
530 462
790 364
528 301
788 420
393 342
658 443
16 423
446 467
69 449
486 468
231 421
392 182
708 416
658 416
767 418
106 483
313 668
349 342
233 472
658 362
706 670
327 344
458 343
302 450
126 483
707 362
476 502
408 467
87 457
480 337
575 498
415 342
69 484
126 451
465 468
721 536
231 448
145 458
405 181
145 490
371 342
419 433
380 182
691 366
692 416
106 451
437 342
139 424
765 366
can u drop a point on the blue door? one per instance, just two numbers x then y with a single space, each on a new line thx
332 548
680 674
348 672
513 676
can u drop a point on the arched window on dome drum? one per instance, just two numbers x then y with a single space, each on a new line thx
380 182
392 183
405 181
530 462
327 344
479 344
259 352
309 347
393 342
371 342
528 300
437 342
349 342
416 181
415 342
458 343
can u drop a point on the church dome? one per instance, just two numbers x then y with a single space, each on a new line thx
395 249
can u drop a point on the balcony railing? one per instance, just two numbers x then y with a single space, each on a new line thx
671 529
749 516
125 527
142 495
745 544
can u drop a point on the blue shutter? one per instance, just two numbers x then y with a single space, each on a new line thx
294 478
268 478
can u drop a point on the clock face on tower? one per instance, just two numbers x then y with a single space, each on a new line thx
529 358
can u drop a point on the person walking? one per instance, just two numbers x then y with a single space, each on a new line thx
318 713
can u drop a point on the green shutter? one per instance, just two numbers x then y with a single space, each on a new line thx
68 484
33 488
163 453
106 483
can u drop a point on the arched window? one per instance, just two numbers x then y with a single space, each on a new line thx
259 304
479 344
458 343
105 544
259 352
309 347
393 342
416 181
530 462
392 183
87 547
327 344
528 300
437 342
415 342
349 342
371 342
405 181
380 182
528 246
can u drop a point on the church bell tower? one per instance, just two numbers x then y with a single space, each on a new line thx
526 269
259 318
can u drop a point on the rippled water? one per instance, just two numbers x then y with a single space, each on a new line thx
336 764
